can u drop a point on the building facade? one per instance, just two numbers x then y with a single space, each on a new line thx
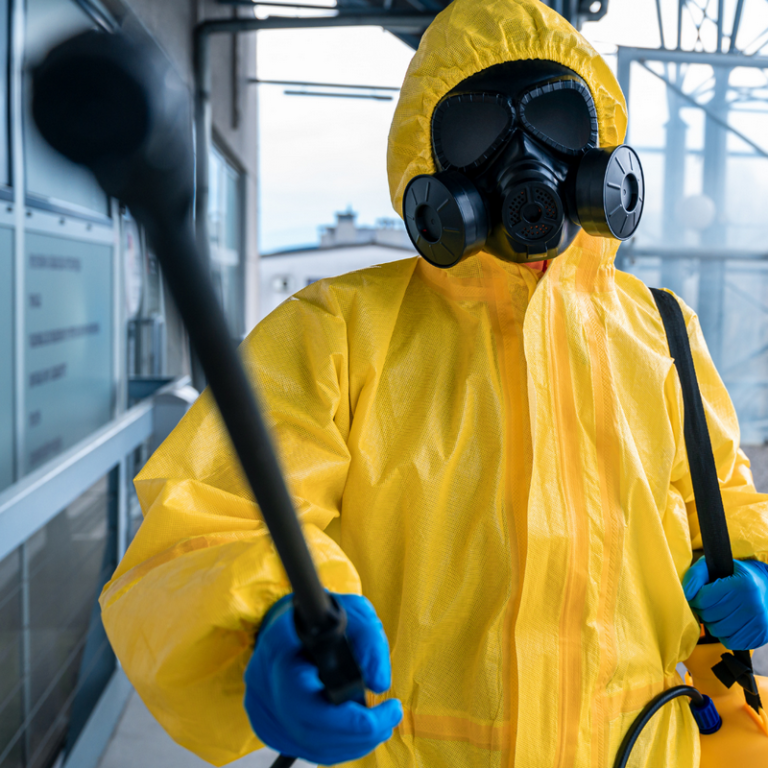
87 332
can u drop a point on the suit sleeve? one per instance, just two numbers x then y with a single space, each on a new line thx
185 603
746 510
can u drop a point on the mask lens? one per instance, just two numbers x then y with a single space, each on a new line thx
563 116
467 129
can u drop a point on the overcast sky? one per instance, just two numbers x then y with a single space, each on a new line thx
323 155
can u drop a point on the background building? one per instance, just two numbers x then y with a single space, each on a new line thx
344 247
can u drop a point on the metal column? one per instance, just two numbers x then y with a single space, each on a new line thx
712 273
673 270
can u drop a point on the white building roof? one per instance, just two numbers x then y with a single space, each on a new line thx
343 248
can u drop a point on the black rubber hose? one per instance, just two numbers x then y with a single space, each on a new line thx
650 709
284 762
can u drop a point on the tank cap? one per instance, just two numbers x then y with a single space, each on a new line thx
706 716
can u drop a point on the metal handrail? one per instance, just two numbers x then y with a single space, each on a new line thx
28 505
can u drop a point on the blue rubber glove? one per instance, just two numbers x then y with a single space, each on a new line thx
734 609
284 697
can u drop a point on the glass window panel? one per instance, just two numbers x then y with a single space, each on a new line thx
147 346
215 162
224 228
6 357
5 176
11 678
70 559
48 174
68 357
232 211
135 461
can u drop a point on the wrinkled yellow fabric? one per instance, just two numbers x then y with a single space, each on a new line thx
495 457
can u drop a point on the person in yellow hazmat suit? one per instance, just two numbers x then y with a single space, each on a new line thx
491 453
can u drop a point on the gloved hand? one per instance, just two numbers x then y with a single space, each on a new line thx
734 609
284 697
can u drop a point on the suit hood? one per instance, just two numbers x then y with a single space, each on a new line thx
470 36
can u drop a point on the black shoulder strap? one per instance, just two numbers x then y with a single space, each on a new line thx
735 667
706 488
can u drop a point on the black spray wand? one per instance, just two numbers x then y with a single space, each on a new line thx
115 105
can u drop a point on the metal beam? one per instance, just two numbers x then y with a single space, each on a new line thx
736 25
711 299
251 4
402 22
303 84
720 20
661 24
676 129
328 95
693 57
623 75
704 254
711 114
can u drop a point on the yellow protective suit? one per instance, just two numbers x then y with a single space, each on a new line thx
494 457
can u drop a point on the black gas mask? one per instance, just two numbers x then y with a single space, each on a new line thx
519 170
